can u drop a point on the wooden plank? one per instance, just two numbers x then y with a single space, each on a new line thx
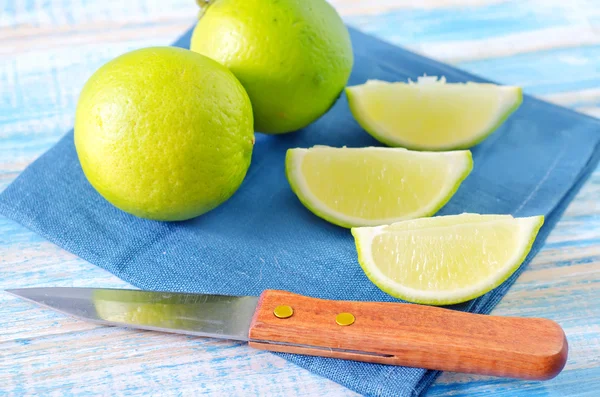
456 51
49 49
593 111
586 97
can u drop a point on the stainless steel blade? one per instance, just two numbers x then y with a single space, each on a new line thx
216 316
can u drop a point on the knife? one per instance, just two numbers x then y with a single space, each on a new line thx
375 332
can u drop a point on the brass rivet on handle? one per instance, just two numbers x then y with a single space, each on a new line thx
283 311
344 319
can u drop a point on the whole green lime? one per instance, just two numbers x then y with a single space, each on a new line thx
164 133
293 57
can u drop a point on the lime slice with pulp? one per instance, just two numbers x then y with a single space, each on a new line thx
374 186
451 263
431 114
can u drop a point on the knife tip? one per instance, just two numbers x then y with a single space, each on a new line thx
15 291
25 293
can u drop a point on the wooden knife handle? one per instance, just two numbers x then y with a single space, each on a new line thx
411 335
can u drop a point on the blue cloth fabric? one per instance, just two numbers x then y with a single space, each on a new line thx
264 238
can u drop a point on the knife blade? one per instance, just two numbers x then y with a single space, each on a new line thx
214 316
376 332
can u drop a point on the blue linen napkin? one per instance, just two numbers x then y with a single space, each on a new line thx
264 238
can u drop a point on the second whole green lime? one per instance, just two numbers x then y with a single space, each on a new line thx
294 57
164 133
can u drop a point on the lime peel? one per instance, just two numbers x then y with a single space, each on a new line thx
293 57
164 133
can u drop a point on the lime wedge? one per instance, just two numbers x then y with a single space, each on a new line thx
431 114
374 186
450 263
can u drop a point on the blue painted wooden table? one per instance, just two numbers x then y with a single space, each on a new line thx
49 49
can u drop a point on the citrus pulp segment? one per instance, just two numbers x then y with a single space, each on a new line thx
373 186
447 264
431 114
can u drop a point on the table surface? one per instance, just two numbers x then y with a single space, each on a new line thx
49 49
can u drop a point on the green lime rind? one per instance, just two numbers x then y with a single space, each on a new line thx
394 141
392 288
293 57
164 133
293 174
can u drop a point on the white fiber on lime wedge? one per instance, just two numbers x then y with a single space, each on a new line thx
452 263
447 220
432 114
373 186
